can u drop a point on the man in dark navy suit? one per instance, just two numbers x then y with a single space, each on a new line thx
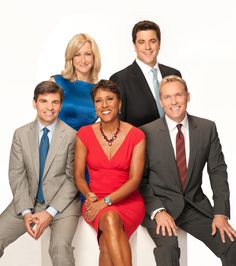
136 81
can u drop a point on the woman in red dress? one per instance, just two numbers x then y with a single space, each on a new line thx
115 153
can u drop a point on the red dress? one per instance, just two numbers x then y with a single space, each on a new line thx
107 176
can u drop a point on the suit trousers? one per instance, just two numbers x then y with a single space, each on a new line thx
167 252
62 233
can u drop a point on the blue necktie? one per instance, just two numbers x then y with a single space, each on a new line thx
43 151
156 92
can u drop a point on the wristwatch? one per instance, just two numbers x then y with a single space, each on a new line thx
108 201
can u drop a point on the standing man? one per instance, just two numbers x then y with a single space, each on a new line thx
178 148
41 179
139 82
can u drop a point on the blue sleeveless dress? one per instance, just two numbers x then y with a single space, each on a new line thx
77 107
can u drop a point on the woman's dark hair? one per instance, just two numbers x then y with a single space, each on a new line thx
106 85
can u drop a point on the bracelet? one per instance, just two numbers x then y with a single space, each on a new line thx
108 201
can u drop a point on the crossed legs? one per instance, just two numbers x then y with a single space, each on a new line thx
113 242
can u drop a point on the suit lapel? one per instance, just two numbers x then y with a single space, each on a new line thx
142 84
55 144
33 135
193 140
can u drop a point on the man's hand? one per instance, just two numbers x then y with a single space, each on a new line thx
221 223
41 220
28 224
165 223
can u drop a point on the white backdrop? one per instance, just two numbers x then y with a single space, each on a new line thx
198 38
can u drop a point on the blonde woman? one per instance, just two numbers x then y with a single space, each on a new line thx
80 74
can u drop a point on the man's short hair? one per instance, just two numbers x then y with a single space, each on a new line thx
48 87
146 25
173 78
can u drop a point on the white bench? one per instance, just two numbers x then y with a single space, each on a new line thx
25 251
86 250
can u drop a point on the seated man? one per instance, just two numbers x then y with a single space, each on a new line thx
178 148
41 179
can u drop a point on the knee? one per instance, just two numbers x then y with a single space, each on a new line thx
110 222
167 246
229 258
167 253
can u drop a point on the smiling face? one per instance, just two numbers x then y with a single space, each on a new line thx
48 105
107 105
147 47
83 61
174 100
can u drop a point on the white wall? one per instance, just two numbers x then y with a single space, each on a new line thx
198 38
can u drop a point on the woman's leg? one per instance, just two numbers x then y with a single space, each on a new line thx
114 242
104 257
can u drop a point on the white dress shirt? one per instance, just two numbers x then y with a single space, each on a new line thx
147 72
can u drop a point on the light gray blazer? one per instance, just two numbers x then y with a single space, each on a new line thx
58 182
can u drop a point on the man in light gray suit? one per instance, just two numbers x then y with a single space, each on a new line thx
51 199
178 148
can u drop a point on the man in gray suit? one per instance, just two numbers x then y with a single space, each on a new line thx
178 148
50 200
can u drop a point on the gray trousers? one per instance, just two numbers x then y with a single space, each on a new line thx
62 233
167 252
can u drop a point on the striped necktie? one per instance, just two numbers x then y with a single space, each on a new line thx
181 156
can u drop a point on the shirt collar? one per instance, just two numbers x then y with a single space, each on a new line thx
172 124
50 127
145 68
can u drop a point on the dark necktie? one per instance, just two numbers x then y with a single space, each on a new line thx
181 156
43 151
156 91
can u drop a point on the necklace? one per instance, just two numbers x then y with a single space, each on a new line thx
113 138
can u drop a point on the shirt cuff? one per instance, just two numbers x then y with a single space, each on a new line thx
155 212
26 212
53 212
221 215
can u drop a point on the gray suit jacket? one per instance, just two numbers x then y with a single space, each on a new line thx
161 184
58 183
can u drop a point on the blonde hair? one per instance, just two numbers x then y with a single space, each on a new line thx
173 78
72 48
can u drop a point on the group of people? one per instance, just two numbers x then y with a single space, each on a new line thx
85 140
